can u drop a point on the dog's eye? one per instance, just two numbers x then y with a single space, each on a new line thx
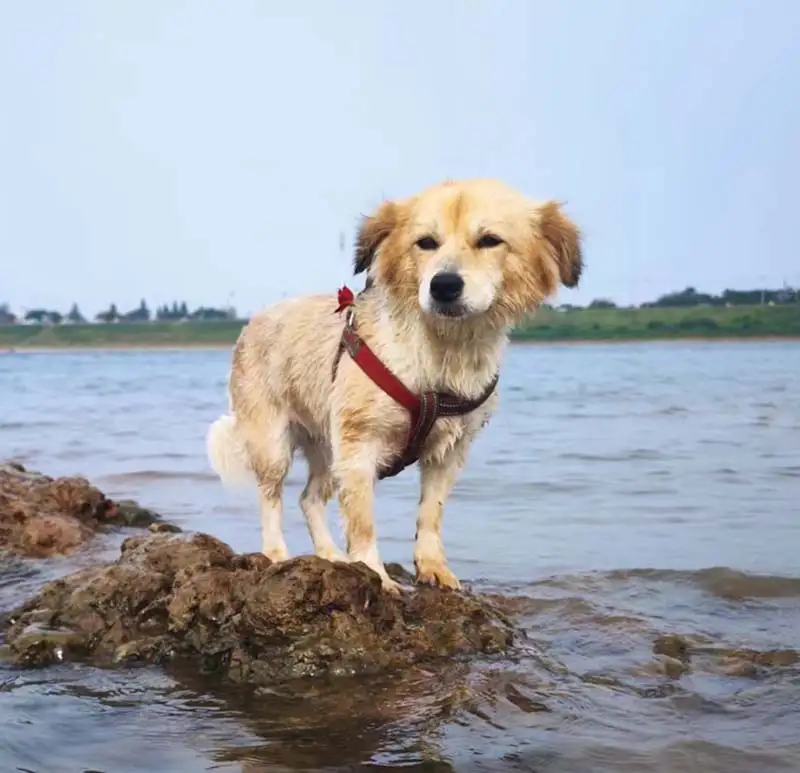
487 241
427 243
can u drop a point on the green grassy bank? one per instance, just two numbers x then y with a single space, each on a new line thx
662 322
572 325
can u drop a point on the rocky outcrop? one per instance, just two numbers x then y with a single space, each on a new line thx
191 598
42 516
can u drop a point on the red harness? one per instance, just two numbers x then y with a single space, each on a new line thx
424 408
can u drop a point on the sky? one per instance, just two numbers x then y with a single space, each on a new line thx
213 151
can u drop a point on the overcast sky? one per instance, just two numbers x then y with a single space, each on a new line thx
211 151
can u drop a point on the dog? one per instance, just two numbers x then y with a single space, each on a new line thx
449 271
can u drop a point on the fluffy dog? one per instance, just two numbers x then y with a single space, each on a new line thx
449 272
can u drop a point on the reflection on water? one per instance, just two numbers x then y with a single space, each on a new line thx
634 505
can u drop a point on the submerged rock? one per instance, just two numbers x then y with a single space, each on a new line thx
42 516
191 598
680 654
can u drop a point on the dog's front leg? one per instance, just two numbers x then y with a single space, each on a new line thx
437 478
356 474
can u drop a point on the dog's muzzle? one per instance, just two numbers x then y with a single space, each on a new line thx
446 289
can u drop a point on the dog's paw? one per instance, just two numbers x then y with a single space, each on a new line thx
391 587
276 554
436 573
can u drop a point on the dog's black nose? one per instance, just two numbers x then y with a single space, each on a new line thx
446 286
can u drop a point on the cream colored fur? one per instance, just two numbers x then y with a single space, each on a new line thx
283 397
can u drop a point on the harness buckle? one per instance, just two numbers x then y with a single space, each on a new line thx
352 342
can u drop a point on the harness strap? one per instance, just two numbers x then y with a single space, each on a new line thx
369 362
424 409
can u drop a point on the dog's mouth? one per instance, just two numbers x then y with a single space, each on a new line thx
452 310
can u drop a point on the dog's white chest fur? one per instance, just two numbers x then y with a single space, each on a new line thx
422 366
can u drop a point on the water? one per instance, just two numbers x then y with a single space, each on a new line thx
622 492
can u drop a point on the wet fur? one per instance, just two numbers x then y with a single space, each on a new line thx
283 398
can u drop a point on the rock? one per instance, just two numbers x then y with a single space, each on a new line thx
732 666
672 646
669 666
766 659
399 573
674 654
42 516
164 528
192 599
130 513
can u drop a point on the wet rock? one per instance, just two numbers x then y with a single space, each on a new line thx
673 647
674 653
523 702
42 516
164 528
752 664
131 513
192 599
766 659
669 666
731 666
399 573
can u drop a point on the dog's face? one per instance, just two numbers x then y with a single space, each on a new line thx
463 250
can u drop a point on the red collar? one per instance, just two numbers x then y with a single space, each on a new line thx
424 408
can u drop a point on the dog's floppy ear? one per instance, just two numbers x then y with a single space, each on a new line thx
564 239
372 233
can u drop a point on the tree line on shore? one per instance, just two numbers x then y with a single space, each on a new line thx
690 297
176 312
179 311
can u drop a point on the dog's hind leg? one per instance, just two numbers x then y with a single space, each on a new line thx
269 448
316 495
355 470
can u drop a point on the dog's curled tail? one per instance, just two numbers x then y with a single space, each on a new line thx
227 453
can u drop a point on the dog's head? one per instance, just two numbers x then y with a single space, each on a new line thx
462 250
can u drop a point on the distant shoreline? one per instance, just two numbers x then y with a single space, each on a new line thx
213 346
547 326
110 348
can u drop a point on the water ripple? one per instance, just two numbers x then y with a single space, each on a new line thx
623 494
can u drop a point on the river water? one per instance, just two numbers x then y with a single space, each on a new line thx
622 493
